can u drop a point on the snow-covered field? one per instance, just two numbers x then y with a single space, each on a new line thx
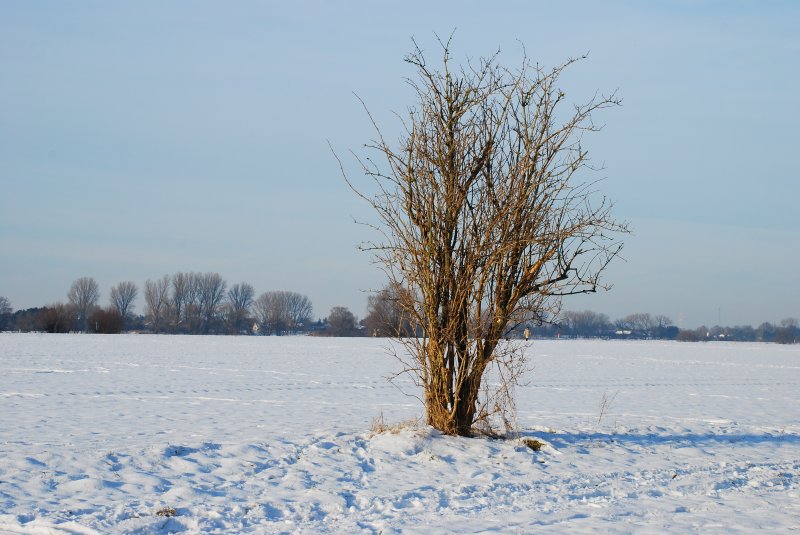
98 434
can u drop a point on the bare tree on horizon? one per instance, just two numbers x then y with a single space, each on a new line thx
240 300
5 305
83 296
386 315
280 312
5 313
211 290
180 294
156 297
341 322
122 297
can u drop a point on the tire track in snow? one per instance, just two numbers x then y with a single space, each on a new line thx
375 385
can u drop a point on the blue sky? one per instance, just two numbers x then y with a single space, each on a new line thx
143 138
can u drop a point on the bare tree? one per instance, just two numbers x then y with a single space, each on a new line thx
180 294
211 292
485 221
240 299
299 310
764 332
270 313
5 305
5 313
663 325
56 318
787 331
194 313
122 297
341 322
386 315
267 312
640 323
156 298
83 295
586 323
281 312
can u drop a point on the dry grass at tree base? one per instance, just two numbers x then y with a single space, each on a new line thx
379 425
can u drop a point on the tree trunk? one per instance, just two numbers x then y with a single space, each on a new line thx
451 394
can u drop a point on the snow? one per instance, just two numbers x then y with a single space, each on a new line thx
100 434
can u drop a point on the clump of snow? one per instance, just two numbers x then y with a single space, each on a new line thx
166 434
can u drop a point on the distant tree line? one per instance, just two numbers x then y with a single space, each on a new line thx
643 326
203 303
182 303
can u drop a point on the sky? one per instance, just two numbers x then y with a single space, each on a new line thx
138 139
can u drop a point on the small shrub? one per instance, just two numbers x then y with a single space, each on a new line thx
687 336
533 444
605 404
106 321
56 318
